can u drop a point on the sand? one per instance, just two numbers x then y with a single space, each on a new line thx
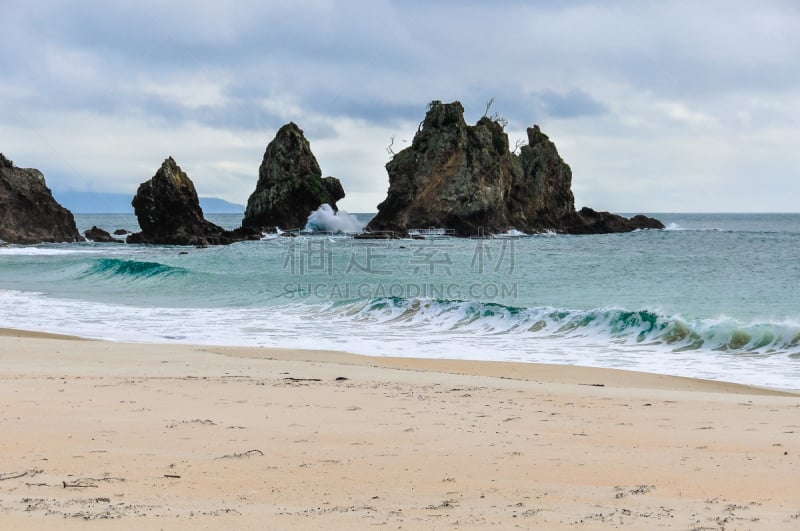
171 436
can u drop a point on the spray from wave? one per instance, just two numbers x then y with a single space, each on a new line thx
325 219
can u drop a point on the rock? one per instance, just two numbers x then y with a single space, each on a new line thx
642 222
121 232
290 184
464 178
169 212
98 235
335 191
589 221
542 195
28 211
452 176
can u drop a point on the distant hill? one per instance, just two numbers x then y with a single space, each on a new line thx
215 205
102 203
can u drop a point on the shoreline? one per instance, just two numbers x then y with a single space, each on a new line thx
549 372
220 437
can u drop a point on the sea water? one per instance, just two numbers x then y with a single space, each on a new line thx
714 296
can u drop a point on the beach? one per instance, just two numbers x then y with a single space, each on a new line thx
135 435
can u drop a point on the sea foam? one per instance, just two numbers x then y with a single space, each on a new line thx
753 353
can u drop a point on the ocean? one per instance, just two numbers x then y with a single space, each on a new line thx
714 296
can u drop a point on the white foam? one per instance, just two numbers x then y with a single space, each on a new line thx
511 233
419 328
325 219
44 251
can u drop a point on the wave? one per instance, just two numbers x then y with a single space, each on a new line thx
116 268
603 326
760 353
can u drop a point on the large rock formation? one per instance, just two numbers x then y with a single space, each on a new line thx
28 212
169 212
465 178
290 184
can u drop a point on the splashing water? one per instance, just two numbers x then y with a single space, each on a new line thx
325 219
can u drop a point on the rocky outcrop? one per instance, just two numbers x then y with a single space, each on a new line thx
169 212
335 191
465 178
588 221
28 211
98 235
290 184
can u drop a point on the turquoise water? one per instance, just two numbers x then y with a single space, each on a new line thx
714 296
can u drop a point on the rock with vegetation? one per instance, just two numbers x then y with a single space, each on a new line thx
465 178
290 184
29 213
169 212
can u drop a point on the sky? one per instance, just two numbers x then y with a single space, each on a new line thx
657 106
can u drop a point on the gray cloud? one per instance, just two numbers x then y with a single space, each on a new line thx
572 104
613 80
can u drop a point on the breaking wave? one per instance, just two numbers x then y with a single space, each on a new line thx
758 353
605 325
113 267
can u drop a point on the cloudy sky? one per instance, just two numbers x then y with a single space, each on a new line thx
658 106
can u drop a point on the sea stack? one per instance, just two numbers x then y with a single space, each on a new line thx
169 212
465 178
290 184
29 213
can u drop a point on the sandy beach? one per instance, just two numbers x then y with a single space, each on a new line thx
165 436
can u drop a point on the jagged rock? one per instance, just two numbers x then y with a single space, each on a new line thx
98 235
464 178
452 176
542 195
290 184
169 212
28 211
335 191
